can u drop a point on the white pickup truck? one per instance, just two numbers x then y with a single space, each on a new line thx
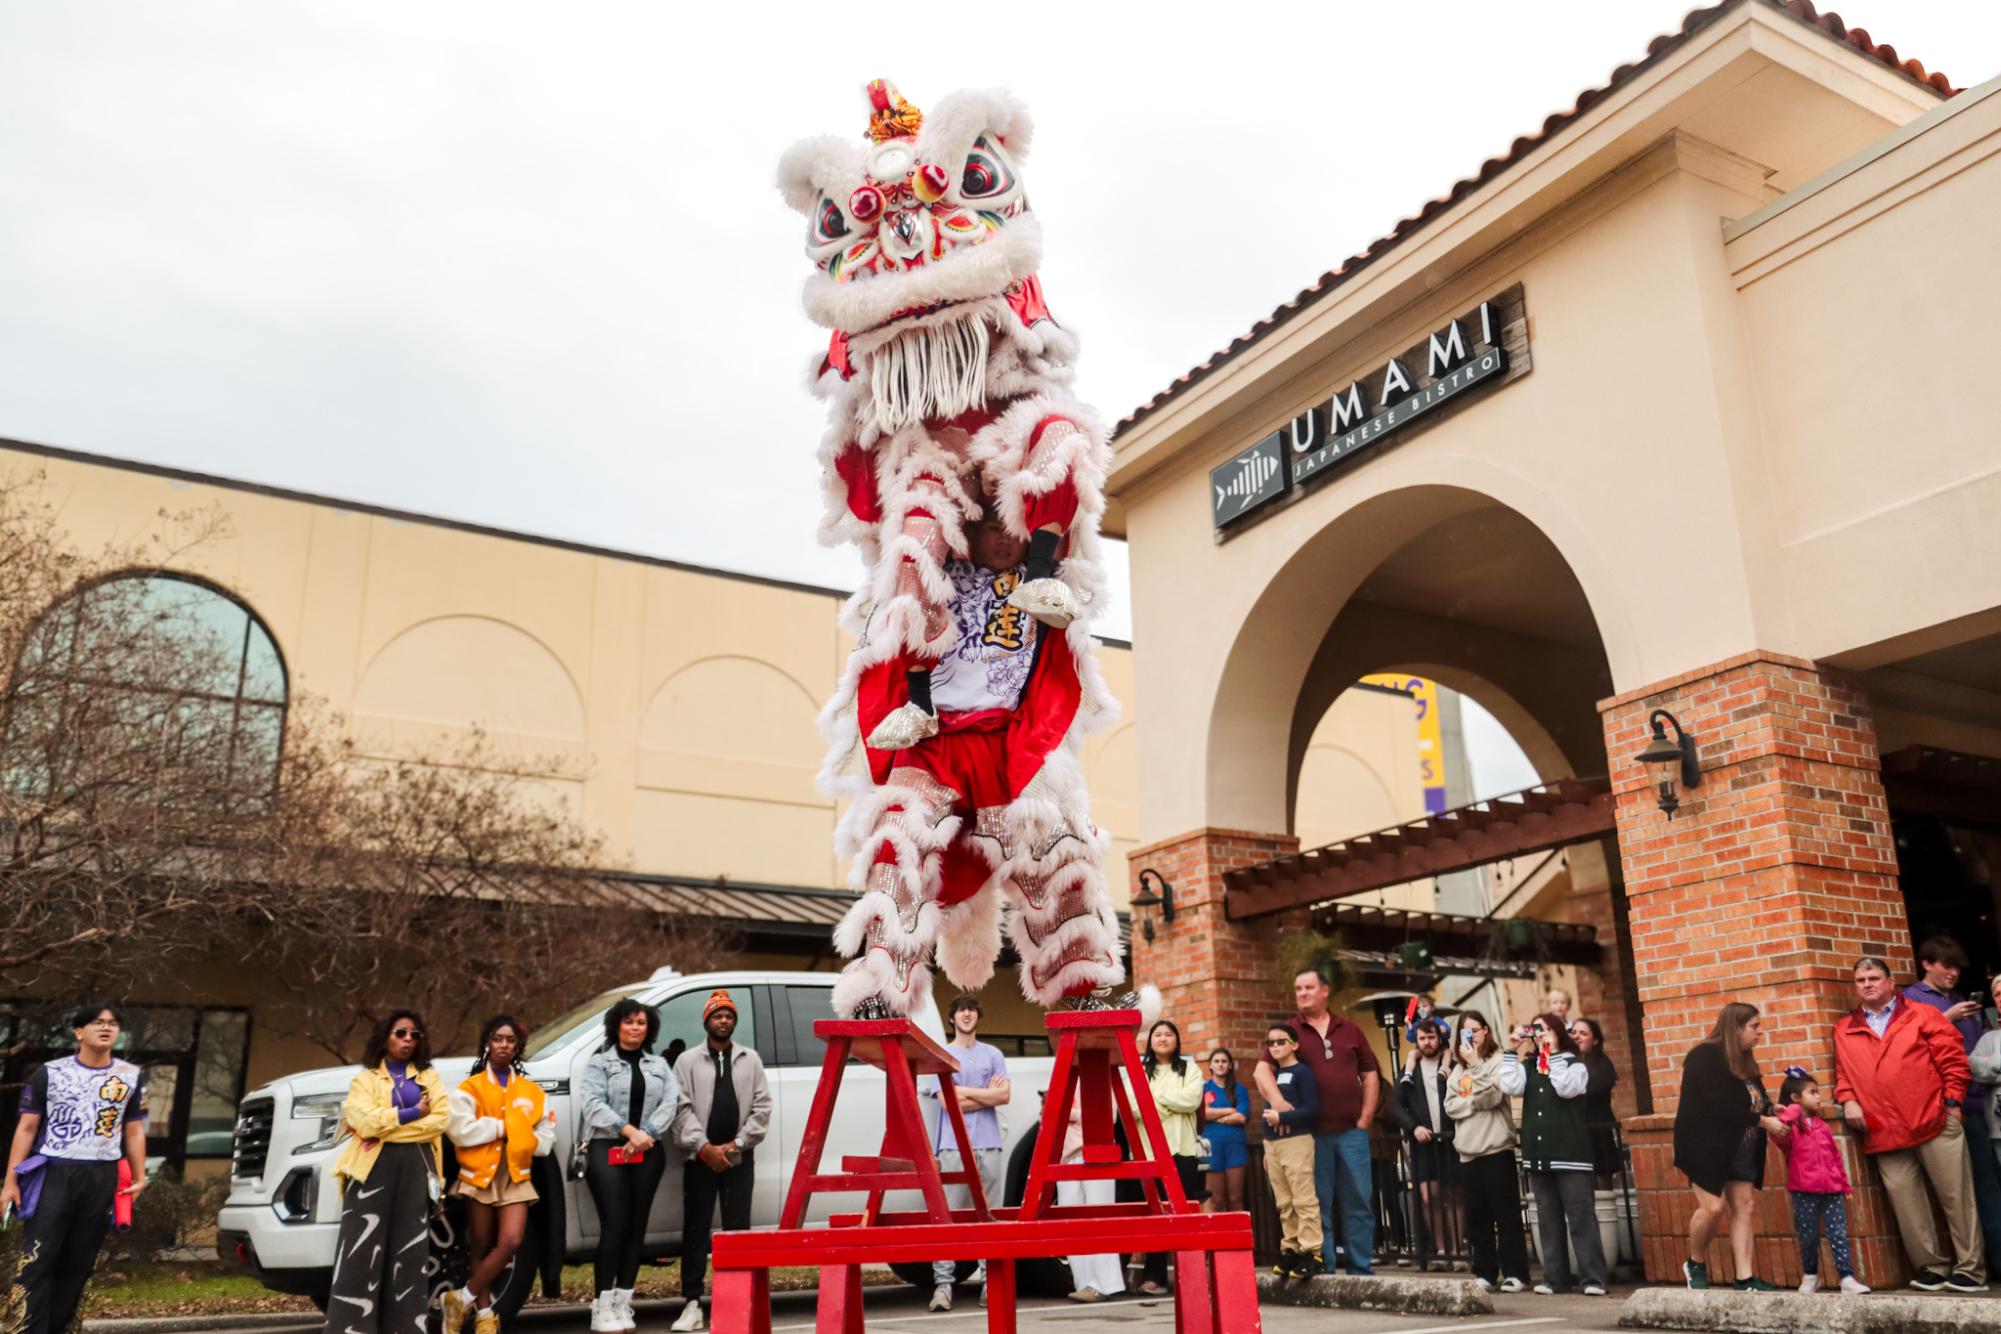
283 1212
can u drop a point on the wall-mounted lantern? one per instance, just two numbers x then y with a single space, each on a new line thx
1159 894
1671 761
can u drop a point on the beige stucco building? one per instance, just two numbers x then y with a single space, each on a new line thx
670 707
1681 404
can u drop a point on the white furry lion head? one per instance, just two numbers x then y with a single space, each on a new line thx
928 212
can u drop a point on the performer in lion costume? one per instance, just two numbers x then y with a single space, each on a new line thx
958 461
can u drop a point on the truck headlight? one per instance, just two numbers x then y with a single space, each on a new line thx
324 1108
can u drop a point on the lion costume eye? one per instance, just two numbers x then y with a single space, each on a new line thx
985 174
829 224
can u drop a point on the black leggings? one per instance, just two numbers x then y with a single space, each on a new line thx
59 1244
623 1194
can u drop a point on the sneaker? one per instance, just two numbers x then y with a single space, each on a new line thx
1483 1284
1965 1283
983 1296
604 1314
1696 1272
621 1310
1513 1285
1152 1289
1544 1290
1852 1286
1810 1284
691 1317
1286 1266
1753 1284
941 1297
1594 1289
1087 1294
1928 1280
486 1321
455 1304
1311 1263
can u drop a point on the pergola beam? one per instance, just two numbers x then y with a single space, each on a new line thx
1536 820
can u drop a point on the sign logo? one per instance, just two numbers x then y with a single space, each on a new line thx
1249 480
1471 352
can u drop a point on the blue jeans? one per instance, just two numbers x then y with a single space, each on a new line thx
1342 1173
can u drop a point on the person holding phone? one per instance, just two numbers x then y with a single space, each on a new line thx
499 1123
390 1174
1546 1072
626 1099
1484 1138
80 1115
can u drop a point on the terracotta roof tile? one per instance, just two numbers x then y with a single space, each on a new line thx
1829 23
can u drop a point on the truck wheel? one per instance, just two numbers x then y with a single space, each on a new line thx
451 1264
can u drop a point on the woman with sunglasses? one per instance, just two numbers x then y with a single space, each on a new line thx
1177 1093
1484 1138
499 1123
1547 1072
389 1173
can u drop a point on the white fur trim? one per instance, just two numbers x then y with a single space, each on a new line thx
825 164
969 940
967 273
959 118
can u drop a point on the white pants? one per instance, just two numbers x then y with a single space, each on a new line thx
1103 1272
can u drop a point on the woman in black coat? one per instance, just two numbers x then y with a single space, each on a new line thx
1719 1142
1598 1117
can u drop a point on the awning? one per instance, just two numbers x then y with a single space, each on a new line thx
1535 819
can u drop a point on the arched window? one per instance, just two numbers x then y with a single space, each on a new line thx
150 683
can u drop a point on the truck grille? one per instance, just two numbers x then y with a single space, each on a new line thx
253 1137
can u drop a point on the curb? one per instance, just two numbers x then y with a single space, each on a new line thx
159 1324
1821 1313
1383 1292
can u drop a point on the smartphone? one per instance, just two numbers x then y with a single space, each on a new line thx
623 1155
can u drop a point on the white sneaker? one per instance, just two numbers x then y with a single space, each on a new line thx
1544 1290
1852 1286
622 1309
1594 1289
1513 1285
1810 1284
691 1318
1087 1293
604 1314
1485 1286
941 1297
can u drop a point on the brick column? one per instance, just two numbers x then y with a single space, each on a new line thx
1775 874
1216 976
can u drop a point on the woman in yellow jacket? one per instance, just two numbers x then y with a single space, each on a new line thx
499 1123
1177 1093
389 1174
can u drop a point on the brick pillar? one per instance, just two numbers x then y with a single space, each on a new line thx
1775 874
1216 976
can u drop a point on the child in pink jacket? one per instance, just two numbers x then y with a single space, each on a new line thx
1816 1181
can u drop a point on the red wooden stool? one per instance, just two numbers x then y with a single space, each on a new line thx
1218 1299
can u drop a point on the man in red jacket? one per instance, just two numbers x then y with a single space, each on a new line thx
1900 1075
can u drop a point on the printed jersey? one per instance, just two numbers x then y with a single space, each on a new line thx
84 1108
996 649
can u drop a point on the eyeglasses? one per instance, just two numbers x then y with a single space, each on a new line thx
407 1033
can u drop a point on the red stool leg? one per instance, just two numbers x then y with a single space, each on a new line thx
733 1302
1000 1297
840 1300
1237 1293
1194 1302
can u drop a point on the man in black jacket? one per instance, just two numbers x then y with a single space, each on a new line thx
1420 1109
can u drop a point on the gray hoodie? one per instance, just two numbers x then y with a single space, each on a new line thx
1480 1109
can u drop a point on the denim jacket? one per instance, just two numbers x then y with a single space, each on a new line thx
606 1095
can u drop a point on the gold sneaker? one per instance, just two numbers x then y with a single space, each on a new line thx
455 1308
487 1322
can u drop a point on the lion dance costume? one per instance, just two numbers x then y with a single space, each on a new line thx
949 400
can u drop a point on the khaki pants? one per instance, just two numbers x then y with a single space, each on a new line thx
1943 1161
1289 1169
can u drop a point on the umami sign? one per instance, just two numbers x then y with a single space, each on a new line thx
1426 382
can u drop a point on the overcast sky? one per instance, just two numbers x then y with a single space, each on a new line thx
525 266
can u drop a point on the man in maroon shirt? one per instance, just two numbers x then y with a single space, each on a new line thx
1345 1080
